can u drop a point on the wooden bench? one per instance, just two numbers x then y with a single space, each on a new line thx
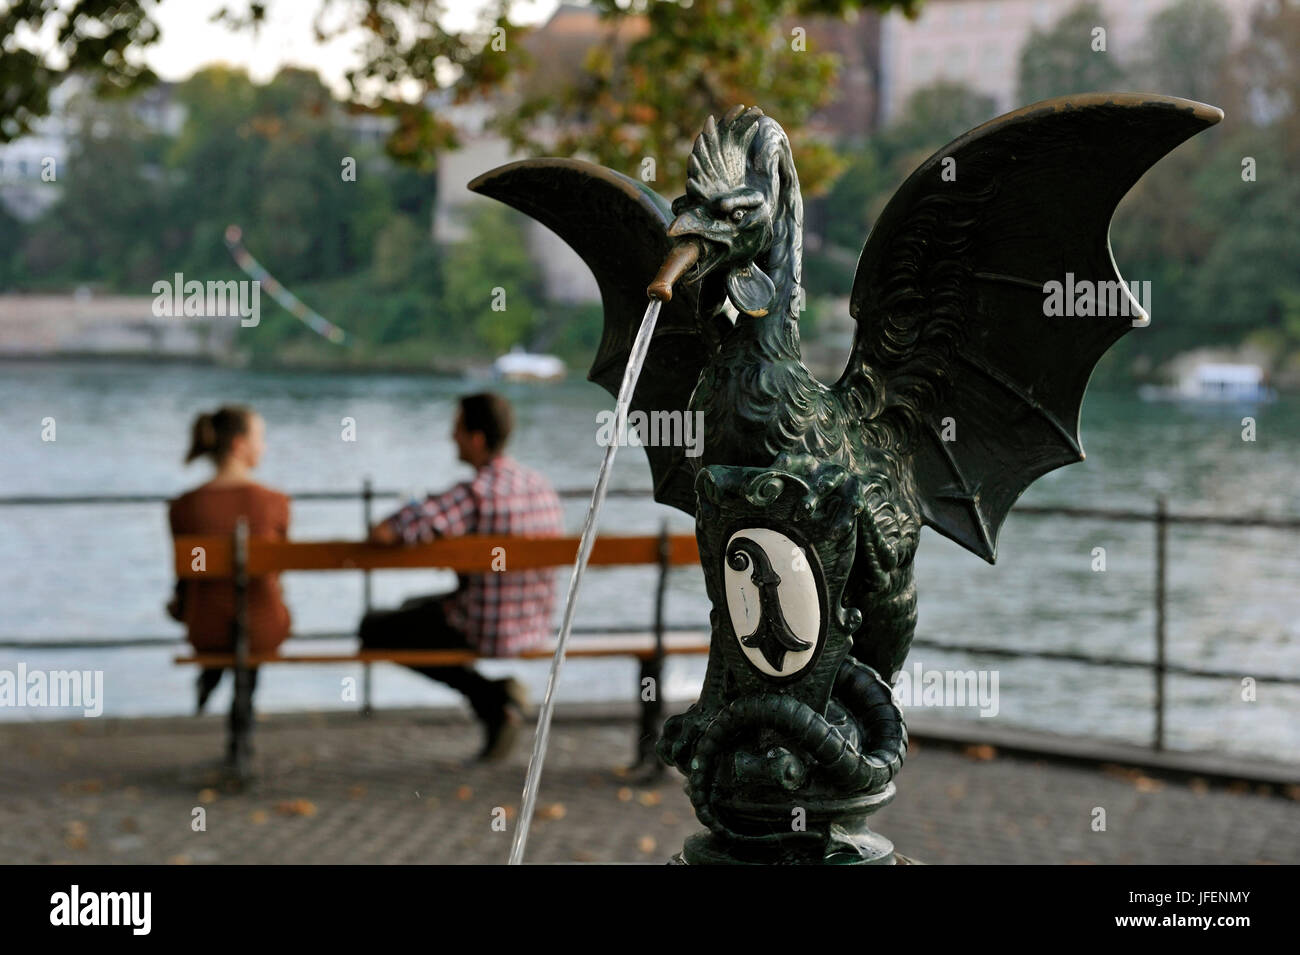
238 558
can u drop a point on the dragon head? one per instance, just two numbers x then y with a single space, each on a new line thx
742 214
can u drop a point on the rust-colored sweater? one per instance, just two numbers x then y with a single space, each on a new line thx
209 605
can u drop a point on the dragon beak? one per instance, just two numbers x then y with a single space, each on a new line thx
689 222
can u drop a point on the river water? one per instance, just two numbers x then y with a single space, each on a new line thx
104 571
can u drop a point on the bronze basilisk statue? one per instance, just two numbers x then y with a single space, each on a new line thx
809 498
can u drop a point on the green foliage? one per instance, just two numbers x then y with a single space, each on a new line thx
645 93
93 39
1061 60
936 114
932 117
492 281
1221 253
11 241
1187 47
1250 273
110 204
269 157
694 58
397 249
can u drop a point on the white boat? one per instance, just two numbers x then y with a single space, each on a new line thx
1218 382
521 365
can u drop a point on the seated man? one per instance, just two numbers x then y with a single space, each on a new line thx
494 614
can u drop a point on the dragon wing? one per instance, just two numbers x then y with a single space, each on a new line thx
950 297
619 228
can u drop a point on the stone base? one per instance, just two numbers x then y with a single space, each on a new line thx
863 847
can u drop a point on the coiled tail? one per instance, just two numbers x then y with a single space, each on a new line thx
859 688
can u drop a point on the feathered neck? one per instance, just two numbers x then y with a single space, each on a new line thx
776 335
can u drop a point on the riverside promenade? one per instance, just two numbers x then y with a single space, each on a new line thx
393 788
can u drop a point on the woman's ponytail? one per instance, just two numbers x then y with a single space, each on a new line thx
213 434
203 438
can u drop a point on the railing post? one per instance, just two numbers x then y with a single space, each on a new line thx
1162 534
652 669
241 707
367 507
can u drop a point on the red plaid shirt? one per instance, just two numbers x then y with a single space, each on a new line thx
502 613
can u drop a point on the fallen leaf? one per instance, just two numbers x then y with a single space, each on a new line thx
207 795
582 855
1145 784
646 844
259 817
624 794
650 797
555 810
296 807
1121 772
464 793
359 790
179 860
980 752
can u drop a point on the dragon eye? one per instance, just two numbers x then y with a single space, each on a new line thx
738 215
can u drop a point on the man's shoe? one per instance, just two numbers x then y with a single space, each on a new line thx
516 693
502 732
503 727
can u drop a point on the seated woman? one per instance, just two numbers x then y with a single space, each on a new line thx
233 438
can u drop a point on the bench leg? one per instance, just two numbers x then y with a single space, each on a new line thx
367 708
239 746
651 723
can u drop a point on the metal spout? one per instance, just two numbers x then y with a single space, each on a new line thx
679 258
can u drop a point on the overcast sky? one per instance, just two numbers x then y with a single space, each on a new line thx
189 41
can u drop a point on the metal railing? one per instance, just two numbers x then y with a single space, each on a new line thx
1160 517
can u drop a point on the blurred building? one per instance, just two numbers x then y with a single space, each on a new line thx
31 167
560 47
977 42
23 191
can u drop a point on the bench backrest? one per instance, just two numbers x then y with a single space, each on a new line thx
470 554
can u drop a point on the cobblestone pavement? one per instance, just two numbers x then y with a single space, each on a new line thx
339 788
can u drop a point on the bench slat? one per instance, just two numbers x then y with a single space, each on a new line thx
641 649
470 554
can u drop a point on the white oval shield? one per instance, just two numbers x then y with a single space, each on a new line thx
772 598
